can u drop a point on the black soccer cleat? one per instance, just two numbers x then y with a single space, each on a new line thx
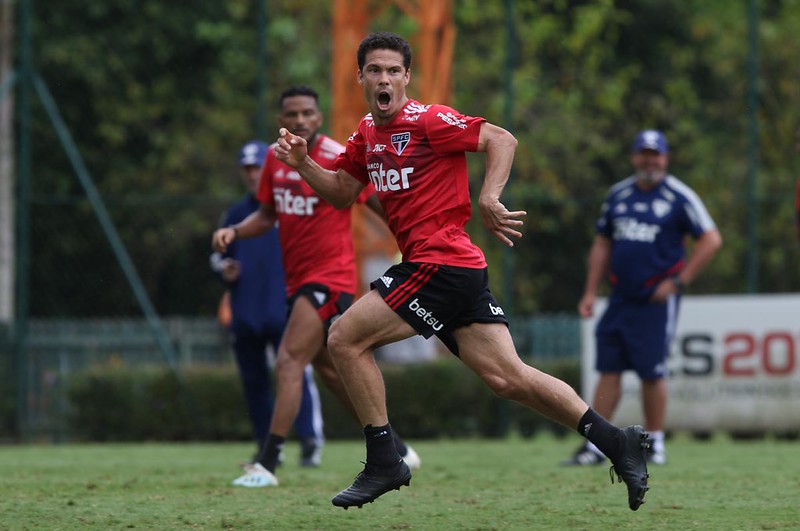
631 465
371 483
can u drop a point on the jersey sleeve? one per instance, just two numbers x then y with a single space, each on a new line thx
265 195
697 220
449 131
353 159
603 224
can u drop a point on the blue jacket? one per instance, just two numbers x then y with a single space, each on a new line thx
258 297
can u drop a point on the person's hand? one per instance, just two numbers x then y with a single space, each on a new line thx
586 305
499 221
222 238
231 269
664 289
291 149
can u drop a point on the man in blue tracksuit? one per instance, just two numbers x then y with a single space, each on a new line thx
640 244
252 271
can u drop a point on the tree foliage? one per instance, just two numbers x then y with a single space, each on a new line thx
159 96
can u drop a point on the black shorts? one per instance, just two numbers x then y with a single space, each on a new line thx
437 299
330 304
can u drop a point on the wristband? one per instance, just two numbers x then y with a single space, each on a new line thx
678 283
235 231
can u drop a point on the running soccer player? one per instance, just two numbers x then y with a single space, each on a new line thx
640 243
252 271
414 156
319 261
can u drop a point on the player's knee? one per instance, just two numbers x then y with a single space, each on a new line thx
288 364
337 340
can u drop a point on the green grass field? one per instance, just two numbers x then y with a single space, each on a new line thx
472 484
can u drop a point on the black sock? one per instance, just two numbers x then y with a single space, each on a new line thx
260 444
399 444
381 450
601 433
271 451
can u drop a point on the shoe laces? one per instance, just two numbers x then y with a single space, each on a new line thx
613 471
362 473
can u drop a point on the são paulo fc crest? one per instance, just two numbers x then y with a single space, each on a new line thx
400 141
661 208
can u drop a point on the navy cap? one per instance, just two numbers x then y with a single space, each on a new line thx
650 139
253 153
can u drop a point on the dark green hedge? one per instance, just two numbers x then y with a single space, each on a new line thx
8 385
441 399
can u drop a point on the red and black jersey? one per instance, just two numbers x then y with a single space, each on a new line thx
316 238
418 167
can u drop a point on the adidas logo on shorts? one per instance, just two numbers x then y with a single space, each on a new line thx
387 281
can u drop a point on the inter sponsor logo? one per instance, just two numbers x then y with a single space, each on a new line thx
288 203
390 180
629 229
426 316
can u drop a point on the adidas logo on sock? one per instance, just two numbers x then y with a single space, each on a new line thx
586 429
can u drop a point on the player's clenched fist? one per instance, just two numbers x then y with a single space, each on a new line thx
222 238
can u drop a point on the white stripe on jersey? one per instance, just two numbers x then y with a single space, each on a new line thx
672 318
695 207
624 183
331 146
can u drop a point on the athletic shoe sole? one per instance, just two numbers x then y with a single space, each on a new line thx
368 486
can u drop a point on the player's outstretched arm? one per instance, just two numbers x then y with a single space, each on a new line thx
499 146
256 224
338 188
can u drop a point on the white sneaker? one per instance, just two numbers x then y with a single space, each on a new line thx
412 458
657 457
584 456
311 452
255 475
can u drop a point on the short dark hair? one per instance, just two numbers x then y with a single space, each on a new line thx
298 90
384 40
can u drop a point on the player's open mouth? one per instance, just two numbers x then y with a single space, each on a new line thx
384 98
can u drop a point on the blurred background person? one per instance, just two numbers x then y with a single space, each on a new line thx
640 244
253 273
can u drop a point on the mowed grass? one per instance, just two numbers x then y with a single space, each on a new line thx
463 484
